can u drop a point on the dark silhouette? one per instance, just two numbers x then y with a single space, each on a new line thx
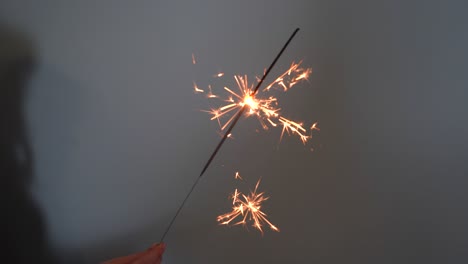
23 235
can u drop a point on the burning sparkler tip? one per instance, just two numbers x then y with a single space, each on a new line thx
265 109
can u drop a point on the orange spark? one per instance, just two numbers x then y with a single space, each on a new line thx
196 89
193 59
292 127
219 74
315 127
210 93
265 108
237 176
247 208
290 77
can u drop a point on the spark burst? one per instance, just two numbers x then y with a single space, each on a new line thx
247 208
264 108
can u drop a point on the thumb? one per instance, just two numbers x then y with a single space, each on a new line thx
152 255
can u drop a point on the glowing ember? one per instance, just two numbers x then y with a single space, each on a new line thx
196 89
247 208
265 109
193 59
237 176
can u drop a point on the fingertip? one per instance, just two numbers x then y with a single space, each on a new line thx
158 247
162 248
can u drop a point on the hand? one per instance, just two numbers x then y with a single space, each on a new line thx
152 255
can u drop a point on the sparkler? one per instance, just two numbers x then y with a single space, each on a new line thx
227 132
247 208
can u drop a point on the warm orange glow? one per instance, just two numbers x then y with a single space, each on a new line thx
290 77
196 89
265 109
250 101
193 59
247 208
315 126
210 93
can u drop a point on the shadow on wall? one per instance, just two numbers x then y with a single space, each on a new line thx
24 238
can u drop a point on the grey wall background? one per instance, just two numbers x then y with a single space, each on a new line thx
118 137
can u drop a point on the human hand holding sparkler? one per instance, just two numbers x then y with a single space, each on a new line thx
152 255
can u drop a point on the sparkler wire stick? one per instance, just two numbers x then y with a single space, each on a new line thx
226 134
